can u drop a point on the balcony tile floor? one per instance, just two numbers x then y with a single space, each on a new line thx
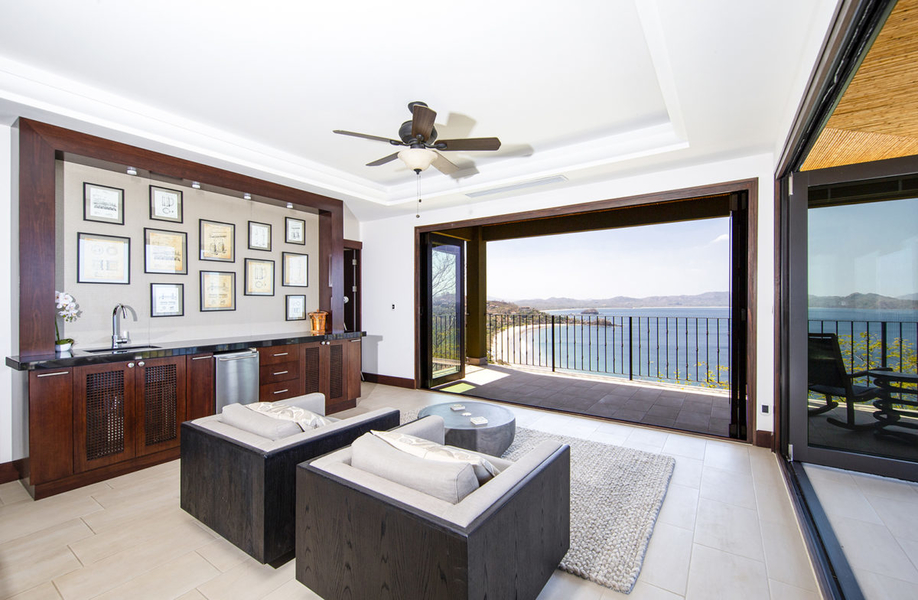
637 402
127 537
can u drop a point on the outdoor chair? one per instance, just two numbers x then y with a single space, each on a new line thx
826 375
372 532
238 470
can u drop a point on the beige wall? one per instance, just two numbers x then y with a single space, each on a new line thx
254 315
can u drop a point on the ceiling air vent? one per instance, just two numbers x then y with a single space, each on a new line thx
518 186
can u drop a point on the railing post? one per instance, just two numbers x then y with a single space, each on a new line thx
630 352
553 343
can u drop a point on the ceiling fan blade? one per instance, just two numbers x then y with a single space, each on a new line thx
422 121
383 160
471 144
366 136
444 165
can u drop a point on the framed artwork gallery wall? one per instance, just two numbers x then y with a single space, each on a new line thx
50 219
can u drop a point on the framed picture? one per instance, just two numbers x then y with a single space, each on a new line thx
218 241
218 290
296 269
296 307
259 236
296 231
167 299
103 259
165 251
259 277
103 204
165 204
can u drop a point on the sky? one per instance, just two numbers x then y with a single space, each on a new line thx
653 260
866 248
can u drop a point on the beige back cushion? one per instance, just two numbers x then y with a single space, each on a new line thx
426 449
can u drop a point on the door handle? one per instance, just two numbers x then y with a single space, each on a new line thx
280 392
281 373
53 374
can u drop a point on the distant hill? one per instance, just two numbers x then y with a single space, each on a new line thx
909 297
698 300
868 301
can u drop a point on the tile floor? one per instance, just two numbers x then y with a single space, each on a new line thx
876 522
696 410
726 530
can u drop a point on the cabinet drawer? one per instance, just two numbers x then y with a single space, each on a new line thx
283 371
278 354
279 391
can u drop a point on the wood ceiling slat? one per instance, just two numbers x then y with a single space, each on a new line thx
836 147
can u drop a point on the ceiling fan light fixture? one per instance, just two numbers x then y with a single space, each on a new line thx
417 159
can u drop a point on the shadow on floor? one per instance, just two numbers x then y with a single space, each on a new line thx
646 404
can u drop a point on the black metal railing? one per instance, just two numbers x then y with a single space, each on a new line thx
445 344
687 350
872 344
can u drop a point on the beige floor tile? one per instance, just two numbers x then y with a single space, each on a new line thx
649 437
164 470
292 590
247 580
192 595
771 497
729 528
727 456
727 486
881 587
222 554
683 445
652 448
897 515
615 429
145 491
570 587
820 473
120 568
782 591
872 547
911 550
607 438
886 487
666 564
45 591
688 471
24 518
169 580
13 492
39 557
124 514
642 591
135 533
680 506
844 500
786 559
717 575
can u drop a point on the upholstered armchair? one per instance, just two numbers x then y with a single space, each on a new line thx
362 535
238 470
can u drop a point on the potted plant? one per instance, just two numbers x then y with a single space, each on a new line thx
68 310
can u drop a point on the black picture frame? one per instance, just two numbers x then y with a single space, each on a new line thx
255 285
95 205
160 209
157 312
99 266
216 241
288 271
207 303
295 231
256 226
148 257
287 300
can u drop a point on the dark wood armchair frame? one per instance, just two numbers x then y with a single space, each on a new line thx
826 375
353 542
247 495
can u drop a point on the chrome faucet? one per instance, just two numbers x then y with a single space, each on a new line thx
116 326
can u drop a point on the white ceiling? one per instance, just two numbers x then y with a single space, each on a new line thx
585 89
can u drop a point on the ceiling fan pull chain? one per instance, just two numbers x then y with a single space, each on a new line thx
417 214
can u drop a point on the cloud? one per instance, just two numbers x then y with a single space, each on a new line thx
721 238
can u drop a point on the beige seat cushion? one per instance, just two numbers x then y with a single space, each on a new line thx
449 481
429 450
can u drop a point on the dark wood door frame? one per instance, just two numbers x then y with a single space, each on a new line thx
749 187
40 145
356 299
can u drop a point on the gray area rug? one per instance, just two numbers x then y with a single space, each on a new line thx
616 495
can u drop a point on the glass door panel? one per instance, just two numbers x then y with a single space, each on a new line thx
446 310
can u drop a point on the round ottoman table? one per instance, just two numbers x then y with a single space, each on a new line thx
492 438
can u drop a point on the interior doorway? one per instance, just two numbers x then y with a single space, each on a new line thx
352 285
735 202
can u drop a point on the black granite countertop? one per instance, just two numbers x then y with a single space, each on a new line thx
77 358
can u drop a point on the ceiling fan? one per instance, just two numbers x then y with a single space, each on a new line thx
420 138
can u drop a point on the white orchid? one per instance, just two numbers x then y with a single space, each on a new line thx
67 310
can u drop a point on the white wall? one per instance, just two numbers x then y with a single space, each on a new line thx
6 292
388 260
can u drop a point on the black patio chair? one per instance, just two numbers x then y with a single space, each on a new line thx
826 375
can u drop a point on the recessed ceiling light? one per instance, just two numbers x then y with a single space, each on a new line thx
247 196
196 185
290 205
131 171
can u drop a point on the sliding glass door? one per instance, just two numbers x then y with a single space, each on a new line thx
444 319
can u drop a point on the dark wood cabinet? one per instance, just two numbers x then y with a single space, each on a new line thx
279 373
328 367
199 387
50 425
123 410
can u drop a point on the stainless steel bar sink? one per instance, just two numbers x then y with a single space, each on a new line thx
121 350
